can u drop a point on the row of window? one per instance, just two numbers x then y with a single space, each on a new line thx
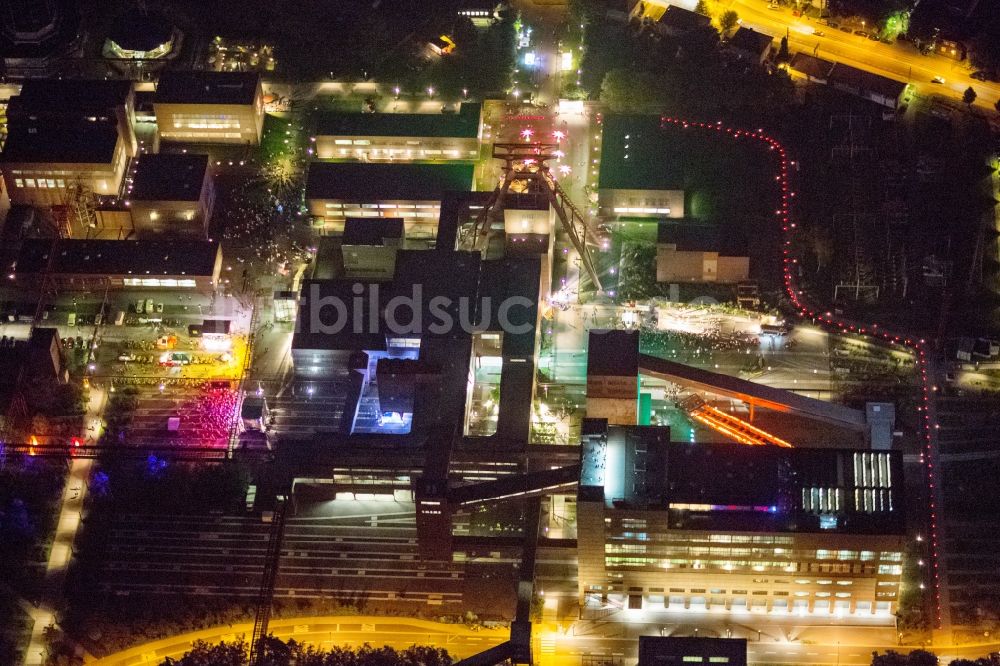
40 183
872 470
204 135
822 499
160 282
349 206
671 548
630 561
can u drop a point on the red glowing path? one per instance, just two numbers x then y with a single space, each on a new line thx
829 321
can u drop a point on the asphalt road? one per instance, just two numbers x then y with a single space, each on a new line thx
398 633
900 61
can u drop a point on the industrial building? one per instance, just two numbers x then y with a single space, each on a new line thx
336 191
722 527
171 195
631 183
692 252
68 136
45 162
399 136
210 107
93 264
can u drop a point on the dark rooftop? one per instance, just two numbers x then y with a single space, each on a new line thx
169 177
866 81
684 19
36 29
464 124
140 30
368 181
634 155
54 141
206 87
613 353
118 257
751 41
436 273
65 97
810 65
755 488
691 236
371 230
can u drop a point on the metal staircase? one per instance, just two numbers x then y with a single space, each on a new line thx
266 592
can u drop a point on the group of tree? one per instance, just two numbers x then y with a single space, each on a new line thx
925 658
634 70
275 652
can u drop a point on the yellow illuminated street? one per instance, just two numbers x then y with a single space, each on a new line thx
346 630
898 61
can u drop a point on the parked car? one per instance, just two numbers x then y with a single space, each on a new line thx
874 38
819 33
861 33
981 75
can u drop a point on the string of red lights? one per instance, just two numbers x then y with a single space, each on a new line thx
831 322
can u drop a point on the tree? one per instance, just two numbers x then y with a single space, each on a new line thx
275 652
890 658
969 96
921 658
627 91
728 20
997 105
783 55
702 8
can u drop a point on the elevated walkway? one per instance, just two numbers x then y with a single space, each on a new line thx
756 395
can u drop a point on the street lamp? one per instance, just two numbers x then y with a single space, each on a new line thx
430 90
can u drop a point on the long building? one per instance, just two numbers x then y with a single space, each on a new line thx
400 136
413 192
720 527
92 264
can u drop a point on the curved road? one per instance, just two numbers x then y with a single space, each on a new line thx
353 630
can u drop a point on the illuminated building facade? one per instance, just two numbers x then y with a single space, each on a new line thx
718 527
336 191
651 204
77 265
692 252
172 195
400 136
43 161
68 135
210 107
